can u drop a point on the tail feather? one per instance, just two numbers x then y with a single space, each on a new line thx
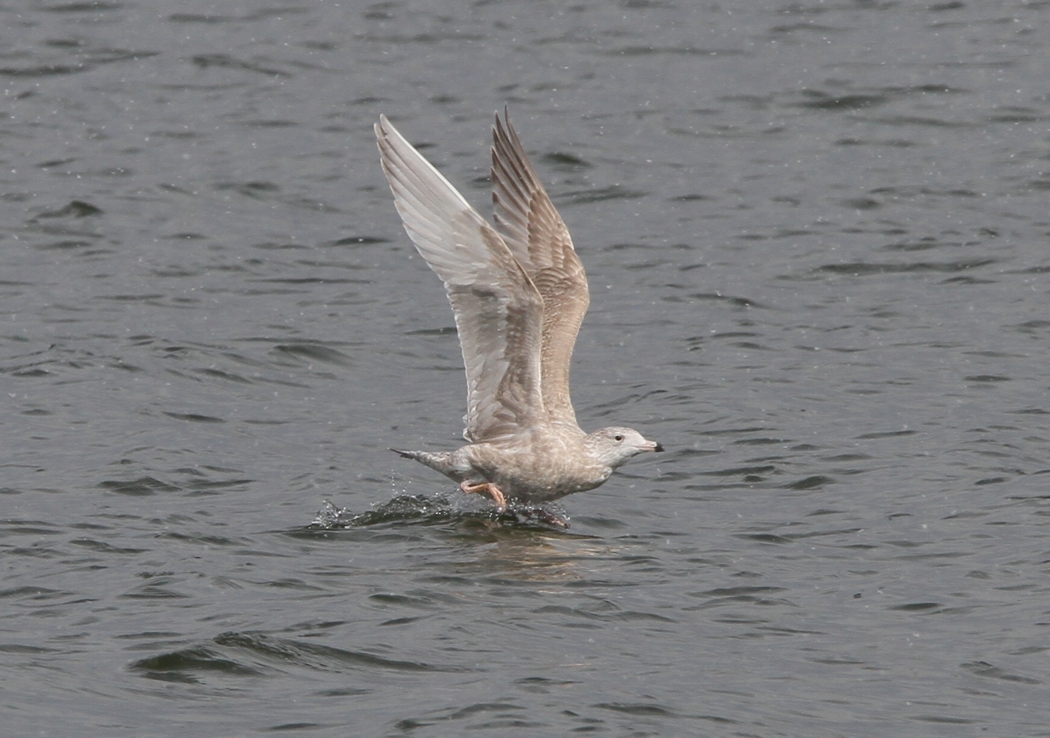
442 461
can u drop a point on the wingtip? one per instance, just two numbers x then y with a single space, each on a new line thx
497 126
380 127
500 123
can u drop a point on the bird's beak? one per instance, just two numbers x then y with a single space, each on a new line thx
652 446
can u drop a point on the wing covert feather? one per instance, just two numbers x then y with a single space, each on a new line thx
537 236
498 309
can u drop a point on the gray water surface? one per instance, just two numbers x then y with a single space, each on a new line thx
818 239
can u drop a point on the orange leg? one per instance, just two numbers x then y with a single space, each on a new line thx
487 488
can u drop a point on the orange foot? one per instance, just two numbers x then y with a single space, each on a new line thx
489 489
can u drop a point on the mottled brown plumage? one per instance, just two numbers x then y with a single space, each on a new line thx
519 293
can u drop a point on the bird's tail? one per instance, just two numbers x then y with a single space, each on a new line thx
441 461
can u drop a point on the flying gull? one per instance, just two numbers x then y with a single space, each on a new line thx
519 294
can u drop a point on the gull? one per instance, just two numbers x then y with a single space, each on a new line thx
519 293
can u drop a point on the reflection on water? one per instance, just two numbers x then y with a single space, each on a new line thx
518 543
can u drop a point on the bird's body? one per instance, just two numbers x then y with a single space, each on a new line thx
519 293
538 467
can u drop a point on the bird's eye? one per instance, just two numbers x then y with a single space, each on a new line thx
618 437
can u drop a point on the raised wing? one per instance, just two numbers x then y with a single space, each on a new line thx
498 310
537 236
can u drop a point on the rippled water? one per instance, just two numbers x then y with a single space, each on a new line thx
817 237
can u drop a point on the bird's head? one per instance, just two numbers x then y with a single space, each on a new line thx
614 446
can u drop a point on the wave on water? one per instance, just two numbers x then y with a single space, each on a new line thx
255 654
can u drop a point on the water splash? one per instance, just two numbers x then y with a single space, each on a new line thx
422 509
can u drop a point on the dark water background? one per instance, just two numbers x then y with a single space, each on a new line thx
818 237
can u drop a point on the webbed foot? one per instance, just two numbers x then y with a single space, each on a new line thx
489 489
